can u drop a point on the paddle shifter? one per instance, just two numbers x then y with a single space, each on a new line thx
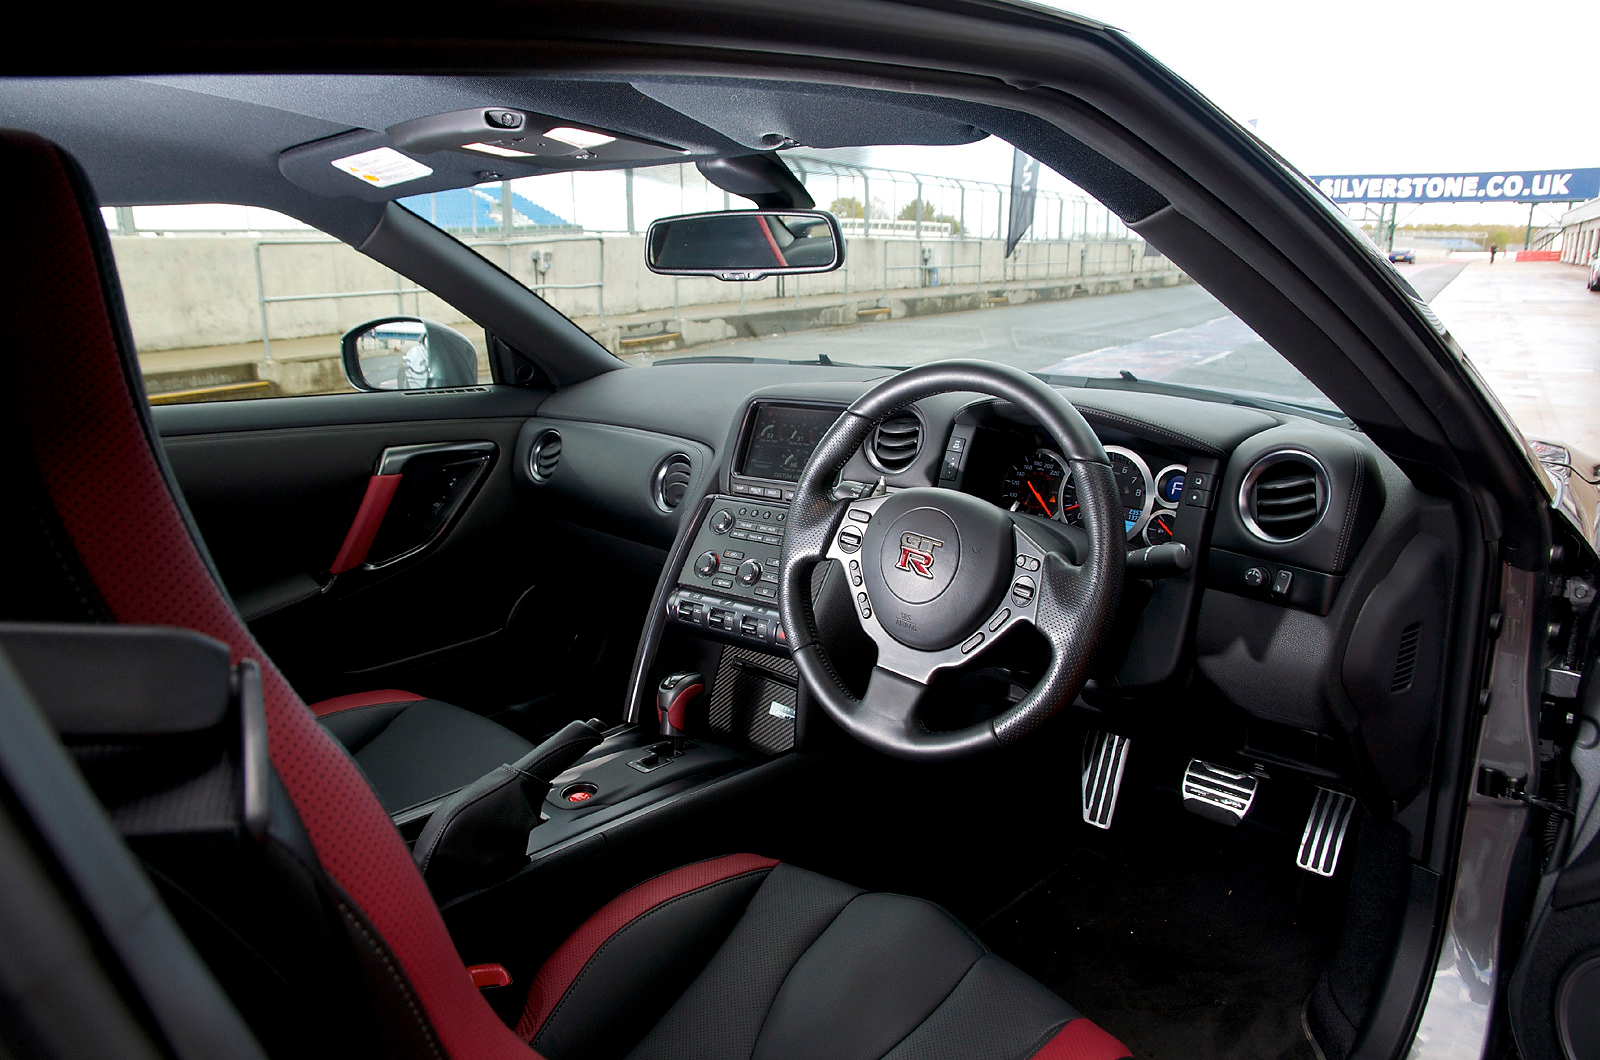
672 703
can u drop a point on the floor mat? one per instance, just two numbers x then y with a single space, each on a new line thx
1202 943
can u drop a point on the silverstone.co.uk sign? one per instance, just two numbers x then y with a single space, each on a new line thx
1536 185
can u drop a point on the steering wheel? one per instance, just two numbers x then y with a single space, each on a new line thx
937 576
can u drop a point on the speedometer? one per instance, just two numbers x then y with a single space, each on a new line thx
1033 484
1135 489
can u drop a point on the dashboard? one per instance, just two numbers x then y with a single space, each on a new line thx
1310 625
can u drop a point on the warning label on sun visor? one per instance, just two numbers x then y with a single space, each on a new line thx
1529 185
382 167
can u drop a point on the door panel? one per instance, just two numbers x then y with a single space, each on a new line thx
469 607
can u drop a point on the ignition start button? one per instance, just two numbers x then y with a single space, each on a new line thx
578 793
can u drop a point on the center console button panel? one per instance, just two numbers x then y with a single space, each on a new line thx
729 586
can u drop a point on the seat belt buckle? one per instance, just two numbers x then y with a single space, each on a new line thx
488 976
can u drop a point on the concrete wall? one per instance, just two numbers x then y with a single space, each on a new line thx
185 292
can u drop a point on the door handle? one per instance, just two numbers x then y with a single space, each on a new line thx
385 483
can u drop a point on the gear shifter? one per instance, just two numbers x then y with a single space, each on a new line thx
672 702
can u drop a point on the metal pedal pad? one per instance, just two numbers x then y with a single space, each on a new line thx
1217 794
1324 835
1104 756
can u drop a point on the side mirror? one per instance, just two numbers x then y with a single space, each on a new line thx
745 244
408 353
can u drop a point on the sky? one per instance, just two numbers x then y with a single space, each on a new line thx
1393 87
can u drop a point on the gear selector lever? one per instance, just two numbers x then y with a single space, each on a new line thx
673 696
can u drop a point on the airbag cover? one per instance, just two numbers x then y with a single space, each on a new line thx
935 563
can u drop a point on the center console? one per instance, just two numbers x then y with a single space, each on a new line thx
727 586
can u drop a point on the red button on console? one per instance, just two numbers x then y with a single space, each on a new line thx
579 796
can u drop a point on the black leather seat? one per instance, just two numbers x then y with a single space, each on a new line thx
736 957
415 750
745 957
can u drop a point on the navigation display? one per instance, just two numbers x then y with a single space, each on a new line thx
783 439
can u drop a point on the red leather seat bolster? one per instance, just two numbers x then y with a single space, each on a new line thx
323 707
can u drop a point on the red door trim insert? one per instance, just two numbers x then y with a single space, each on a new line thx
374 506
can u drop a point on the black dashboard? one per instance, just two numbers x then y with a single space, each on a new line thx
1313 616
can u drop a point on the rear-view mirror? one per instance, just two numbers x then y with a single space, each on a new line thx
745 244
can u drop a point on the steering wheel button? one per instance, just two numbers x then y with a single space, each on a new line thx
1022 591
850 539
1000 619
866 612
855 579
859 515
971 643
861 597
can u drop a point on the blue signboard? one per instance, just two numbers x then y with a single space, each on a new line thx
1527 185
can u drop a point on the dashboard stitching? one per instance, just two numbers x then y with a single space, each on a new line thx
1351 508
1143 425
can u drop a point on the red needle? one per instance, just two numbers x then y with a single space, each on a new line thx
1042 502
1069 507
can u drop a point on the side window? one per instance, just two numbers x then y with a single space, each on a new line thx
230 302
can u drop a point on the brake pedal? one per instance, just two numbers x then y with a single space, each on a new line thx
1324 835
1217 794
1104 756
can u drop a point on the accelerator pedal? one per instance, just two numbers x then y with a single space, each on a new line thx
1217 794
1324 835
1104 756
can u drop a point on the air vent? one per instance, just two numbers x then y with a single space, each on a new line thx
895 443
672 481
544 456
1283 495
1405 664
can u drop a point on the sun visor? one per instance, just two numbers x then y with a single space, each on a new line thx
462 148
766 114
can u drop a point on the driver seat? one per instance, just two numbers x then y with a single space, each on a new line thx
738 957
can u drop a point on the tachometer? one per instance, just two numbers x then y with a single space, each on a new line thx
1033 484
1134 487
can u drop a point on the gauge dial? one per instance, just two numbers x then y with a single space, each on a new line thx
1134 487
1169 484
1033 484
1158 531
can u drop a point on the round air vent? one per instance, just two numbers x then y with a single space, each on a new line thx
544 456
1283 495
895 443
672 481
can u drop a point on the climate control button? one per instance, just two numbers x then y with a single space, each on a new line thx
706 564
750 572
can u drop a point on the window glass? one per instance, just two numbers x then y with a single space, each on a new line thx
229 302
927 274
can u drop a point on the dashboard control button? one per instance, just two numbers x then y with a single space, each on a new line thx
732 553
749 572
1255 577
769 578
1198 480
772 561
722 522
1197 497
1280 584
950 468
706 564
722 583
766 593
746 524
775 493
1000 619
971 643
956 445
739 535
740 487
1022 591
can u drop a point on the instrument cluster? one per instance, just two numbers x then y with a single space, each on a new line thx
1041 483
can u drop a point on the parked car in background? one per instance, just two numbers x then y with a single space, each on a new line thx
1405 254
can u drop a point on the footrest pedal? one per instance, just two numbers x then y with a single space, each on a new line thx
1324 835
1104 756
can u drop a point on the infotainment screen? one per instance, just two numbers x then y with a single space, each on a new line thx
782 440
